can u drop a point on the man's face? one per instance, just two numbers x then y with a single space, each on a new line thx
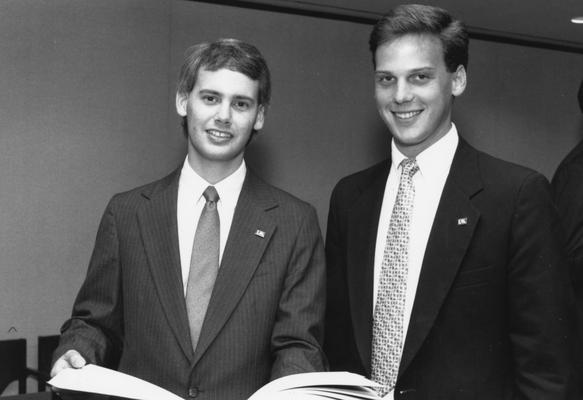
221 110
414 90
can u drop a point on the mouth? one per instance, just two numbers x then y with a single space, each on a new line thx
406 115
218 135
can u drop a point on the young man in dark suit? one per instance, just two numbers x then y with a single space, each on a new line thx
208 282
445 274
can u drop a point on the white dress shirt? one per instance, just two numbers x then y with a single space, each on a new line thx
434 165
190 204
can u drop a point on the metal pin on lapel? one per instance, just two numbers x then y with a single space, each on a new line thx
260 233
462 221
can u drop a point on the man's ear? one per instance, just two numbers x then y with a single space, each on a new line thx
260 119
181 103
459 81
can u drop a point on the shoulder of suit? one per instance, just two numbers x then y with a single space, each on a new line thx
278 196
370 173
138 194
364 177
572 164
496 177
494 169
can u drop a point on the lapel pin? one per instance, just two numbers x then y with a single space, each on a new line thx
462 221
260 233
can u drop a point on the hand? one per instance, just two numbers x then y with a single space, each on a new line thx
71 359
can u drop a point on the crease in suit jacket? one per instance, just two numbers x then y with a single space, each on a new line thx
489 319
265 315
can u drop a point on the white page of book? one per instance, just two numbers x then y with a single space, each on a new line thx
352 393
94 379
311 379
334 394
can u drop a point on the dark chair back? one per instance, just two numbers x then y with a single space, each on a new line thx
13 364
46 347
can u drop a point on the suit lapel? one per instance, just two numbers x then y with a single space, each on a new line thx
249 236
447 245
363 221
158 225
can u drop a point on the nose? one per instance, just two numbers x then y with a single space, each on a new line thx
223 115
403 92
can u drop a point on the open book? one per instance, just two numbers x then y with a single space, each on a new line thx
307 386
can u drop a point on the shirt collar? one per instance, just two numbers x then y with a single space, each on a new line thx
228 189
436 159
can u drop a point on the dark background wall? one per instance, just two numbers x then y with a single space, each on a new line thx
87 110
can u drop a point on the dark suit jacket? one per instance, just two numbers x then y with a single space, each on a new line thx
568 194
265 316
488 320
567 186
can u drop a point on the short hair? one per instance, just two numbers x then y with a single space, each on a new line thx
422 19
232 54
580 96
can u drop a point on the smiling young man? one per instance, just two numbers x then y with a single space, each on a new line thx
208 282
445 273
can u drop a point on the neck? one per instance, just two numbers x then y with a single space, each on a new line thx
214 172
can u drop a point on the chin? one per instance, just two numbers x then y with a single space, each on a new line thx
408 140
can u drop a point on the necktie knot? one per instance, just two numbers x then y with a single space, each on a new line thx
210 194
409 167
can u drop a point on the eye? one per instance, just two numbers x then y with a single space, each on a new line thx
421 77
384 80
241 105
210 99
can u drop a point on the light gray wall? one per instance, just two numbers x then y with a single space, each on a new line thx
83 114
88 110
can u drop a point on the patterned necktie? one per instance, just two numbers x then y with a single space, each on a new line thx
387 336
204 264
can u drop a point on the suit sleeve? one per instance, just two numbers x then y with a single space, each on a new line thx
339 341
298 330
95 327
538 296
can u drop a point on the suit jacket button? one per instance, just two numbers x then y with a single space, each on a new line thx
193 392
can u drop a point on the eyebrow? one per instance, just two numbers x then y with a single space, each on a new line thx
219 94
413 71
